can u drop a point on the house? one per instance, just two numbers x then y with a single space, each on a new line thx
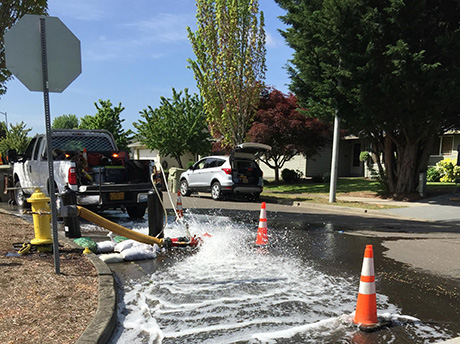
140 152
445 147
318 165
350 148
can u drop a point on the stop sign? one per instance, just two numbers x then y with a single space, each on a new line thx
23 53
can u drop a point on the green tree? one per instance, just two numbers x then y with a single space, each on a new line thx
10 12
388 67
176 127
66 122
108 117
15 138
229 46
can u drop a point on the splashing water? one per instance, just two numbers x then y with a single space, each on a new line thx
229 292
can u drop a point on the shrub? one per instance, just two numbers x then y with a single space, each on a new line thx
364 156
449 170
290 176
433 174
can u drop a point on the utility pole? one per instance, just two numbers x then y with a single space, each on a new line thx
335 160
335 153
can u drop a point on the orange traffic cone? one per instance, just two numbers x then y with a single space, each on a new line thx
262 236
179 211
366 307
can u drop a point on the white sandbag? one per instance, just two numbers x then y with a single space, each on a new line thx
105 246
111 258
124 245
135 253
142 246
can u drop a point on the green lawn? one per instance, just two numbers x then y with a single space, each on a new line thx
344 185
347 185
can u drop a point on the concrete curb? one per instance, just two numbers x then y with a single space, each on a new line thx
101 327
451 341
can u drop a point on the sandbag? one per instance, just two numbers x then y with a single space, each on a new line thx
105 246
119 238
124 245
86 242
111 258
137 253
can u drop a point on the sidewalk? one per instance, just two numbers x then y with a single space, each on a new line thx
442 208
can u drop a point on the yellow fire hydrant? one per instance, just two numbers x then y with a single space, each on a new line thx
41 214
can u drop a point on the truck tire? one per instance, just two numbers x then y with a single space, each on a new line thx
136 212
19 196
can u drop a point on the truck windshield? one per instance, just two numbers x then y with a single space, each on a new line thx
77 143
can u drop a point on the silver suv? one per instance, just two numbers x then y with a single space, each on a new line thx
238 173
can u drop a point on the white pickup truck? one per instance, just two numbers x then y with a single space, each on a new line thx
89 162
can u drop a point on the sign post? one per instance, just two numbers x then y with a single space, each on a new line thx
45 56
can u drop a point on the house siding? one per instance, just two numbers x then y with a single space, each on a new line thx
140 153
320 164
299 162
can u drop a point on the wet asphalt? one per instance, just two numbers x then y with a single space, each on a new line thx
416 248
428 229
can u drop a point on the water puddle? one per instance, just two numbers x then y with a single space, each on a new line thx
230 292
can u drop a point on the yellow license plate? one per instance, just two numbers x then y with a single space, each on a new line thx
116 196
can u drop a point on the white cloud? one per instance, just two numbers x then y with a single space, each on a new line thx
270 41
80 10
163 27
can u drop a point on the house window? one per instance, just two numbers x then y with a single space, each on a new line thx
447 145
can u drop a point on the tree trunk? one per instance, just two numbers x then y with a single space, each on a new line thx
390 164
179 161
403 163
277 174
406 175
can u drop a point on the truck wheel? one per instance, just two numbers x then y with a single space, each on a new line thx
184 190
19 196
136 212
216 191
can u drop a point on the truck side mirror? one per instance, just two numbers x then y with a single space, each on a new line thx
11 155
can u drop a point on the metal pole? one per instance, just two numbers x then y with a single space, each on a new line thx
49 148
335 159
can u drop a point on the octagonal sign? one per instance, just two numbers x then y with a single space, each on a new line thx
23 53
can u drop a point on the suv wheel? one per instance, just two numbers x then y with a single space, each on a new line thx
184 190
216 191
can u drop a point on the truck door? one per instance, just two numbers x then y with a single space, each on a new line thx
38 167
26 178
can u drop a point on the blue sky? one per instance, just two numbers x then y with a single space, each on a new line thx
133 52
